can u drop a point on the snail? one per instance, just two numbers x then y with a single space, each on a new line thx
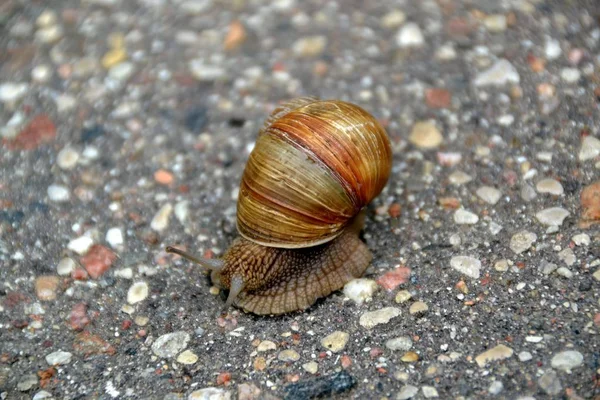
315 165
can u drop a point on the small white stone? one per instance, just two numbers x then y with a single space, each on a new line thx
137 292
170 344
204 72
46 18
182 210
12 91
464 217
429 392
58 193
525 356
446 52
466 265
393 19
187 358
551 186
501 73
402 343
121 71
567 256
41 395
407 392
309 46
410 35
552 49
489 194
59 358
570 75
41 73
65 266
67 158
266 345
360 290
311 367
590 148
335 341
564 272
114 237
522 241
50 34
581 239
81 245
160 221
506 120
496 387
383 316
567 360
527 192
500 352
125 273
459 178
553 216
495 23
210 393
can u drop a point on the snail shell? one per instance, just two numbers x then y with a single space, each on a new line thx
314 167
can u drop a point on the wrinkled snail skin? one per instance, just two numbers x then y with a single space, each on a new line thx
316 164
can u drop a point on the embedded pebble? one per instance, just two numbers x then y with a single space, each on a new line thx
10 92
204 72
499 352
590 148
46 287
42 394
288 355
160 221
59 358
489 194
26 382
459 178
581 239
373 318
65 266
310 46
121 71
187 357
137 292
403 296
501 265
567 360
335 341
495 23
525 356
311 367
501 73
429 392
496 387
553 216
570 75
360 290
393 19
547 268
403 343
266 345
550 383
552 49
59 193
418 308
564 272
522 241
67 158
466 265
567 256
81 245
170 344
425 135
410 35
527 192
551 186
210 393
114 237
464 217
407 392
41 73
596 275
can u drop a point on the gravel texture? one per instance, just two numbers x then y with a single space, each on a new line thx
125 127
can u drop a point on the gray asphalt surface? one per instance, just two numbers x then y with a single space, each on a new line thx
125 127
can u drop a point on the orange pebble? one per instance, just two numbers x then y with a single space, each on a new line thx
163 177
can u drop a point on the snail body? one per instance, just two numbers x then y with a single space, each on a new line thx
314 167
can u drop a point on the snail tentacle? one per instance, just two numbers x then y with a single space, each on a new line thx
236 287
213 264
